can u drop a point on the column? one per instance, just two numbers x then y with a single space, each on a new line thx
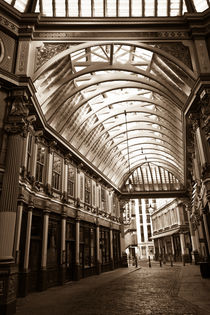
124 258
206 230
43 273
18 231
203 56
98 257
159 248
194 253
172 246
182 242
111 248
63 249
15 127
65 180
24 276
77 262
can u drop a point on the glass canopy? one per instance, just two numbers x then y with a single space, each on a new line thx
110 8
120 106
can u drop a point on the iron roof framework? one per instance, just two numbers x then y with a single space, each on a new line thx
84 92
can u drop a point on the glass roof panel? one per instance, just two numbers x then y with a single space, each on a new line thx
20 5
149 8
98 8
123 8
47 8
73 8
136 8
85 8
60 8
111 8
162 8
201 5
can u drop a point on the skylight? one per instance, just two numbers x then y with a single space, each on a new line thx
110 8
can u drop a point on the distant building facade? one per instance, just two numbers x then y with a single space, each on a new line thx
138 229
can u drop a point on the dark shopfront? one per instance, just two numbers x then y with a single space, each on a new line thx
87 253
70 250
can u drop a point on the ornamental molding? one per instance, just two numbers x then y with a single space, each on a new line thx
19 120
9 25
118 34
47 51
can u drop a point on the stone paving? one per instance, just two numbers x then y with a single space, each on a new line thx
128 291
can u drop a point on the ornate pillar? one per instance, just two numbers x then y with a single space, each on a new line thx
43 273
15 127
77 261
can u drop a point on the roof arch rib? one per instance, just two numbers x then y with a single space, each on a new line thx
85 91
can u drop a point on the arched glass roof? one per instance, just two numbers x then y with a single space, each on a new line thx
119 105
110 8
152 177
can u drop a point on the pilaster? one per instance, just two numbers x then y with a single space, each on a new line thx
16 125
43 272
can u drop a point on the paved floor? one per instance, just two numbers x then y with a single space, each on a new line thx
126 291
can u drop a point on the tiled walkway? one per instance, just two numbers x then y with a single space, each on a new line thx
128 291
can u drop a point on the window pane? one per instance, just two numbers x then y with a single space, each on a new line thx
136 8
20 5
162 8
201 5
47 8
174 8
37 7
123 7
149 8
98 8
73 8
60 8
85 8
111 8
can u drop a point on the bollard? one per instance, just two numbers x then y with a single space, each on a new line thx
150 263
160 263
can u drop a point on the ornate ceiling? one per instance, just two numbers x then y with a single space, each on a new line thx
110 8
120 106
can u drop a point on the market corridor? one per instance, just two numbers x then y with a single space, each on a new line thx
143 290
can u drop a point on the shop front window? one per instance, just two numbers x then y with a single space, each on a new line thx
53 243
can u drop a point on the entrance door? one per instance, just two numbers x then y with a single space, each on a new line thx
70 260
